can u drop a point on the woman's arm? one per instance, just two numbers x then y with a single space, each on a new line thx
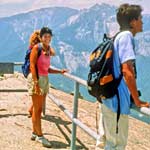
50 70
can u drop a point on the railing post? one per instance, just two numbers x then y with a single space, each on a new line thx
75 113
6 68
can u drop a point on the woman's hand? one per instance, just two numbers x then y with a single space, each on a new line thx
64 71
37 89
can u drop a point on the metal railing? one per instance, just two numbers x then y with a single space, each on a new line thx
75 122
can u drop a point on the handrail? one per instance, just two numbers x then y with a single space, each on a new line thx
72 77
13 90
143 110
18 63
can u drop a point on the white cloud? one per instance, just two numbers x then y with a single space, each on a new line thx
12 1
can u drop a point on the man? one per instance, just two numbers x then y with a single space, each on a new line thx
130 21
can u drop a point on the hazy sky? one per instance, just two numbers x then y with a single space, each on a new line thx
10 7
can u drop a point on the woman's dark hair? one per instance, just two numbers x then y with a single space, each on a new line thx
45 30
126 13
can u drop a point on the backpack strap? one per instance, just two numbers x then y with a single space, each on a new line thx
117 92
116 35
39 49
118 110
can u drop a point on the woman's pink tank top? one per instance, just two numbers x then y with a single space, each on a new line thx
43 64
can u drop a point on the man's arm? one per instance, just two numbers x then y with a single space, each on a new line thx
129 76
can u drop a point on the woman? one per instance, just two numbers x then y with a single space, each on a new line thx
35 39
38 82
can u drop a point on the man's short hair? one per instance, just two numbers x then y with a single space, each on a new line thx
126 13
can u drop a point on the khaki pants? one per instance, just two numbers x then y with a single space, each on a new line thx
114 141
100 143
43 84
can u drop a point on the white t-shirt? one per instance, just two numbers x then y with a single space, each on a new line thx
124 42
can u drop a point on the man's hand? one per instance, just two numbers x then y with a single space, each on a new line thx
140 103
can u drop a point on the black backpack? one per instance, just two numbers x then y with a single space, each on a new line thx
101 80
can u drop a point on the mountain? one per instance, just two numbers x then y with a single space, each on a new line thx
76 34
86 27
142 42
15 30
74 31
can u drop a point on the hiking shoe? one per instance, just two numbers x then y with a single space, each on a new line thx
100 144
43 141
33 137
